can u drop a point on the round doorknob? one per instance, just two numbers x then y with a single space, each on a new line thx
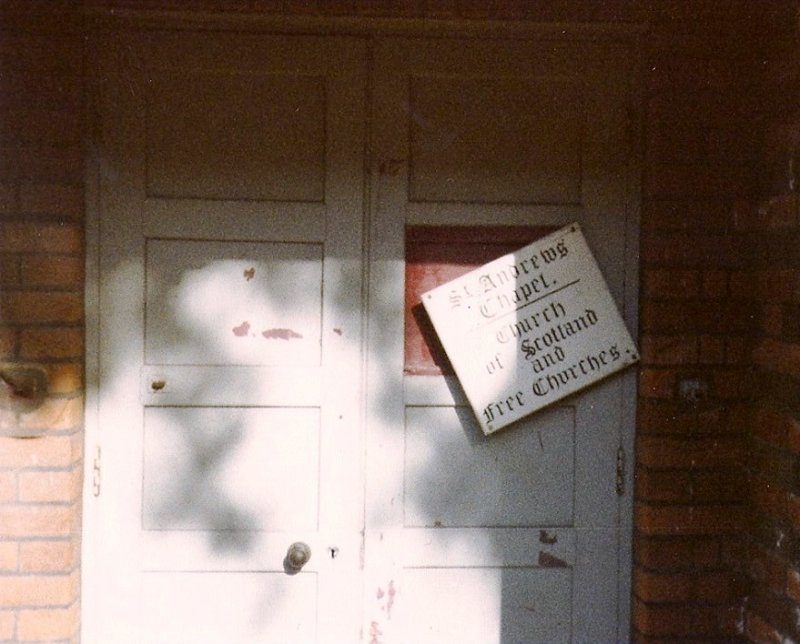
297 556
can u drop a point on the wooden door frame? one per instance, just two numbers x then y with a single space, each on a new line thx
100 21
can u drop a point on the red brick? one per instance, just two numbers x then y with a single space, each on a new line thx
714 284
38 307
767 569
664 553
710 215
52 271
49 487
668 284
770 426
711 350
781 357
657 383
9 203
662 621
8 343
49 556
19 237
772 319
55 414
669 349
51 343
51 199
670 452
781 212
662 587
8 625
64 378
718 587
686 520
50 624
48 451
38 590
9 556
40 520
665 418
670 486
760 631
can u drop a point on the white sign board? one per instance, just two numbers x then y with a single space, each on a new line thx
530 328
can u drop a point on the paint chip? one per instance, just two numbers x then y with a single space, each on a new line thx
281 334
241 330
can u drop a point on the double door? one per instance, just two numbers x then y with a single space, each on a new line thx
270 466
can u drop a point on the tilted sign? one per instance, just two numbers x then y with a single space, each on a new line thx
530 328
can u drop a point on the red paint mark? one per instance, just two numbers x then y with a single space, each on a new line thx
547 538
375 633
547 560
249 273
241 330
281 334
391 592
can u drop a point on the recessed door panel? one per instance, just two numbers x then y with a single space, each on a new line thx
227 469
455 476
487 605
233 303
236 608
465 147
236 135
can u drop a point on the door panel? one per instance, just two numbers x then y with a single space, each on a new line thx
467 528
229 360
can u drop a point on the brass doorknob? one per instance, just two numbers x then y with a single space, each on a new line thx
297 556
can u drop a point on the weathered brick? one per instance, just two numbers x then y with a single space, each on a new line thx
663 587
37 520
51 624
49 556
8 625
38 590
54 414
52 271
688 519
40 307
9 556
51 199
657 383
58 343
27 237
48 451
64 378
8 487
672 452
669 349
49 487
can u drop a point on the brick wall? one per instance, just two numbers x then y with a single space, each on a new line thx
41 314
717 497
770 222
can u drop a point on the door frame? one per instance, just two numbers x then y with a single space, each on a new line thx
100 21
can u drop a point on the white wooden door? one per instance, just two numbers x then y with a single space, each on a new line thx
228 247
229 418
521 535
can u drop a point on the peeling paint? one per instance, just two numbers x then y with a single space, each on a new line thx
391 592
548 538
375 633
242 330
249 273
546 560
281 334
